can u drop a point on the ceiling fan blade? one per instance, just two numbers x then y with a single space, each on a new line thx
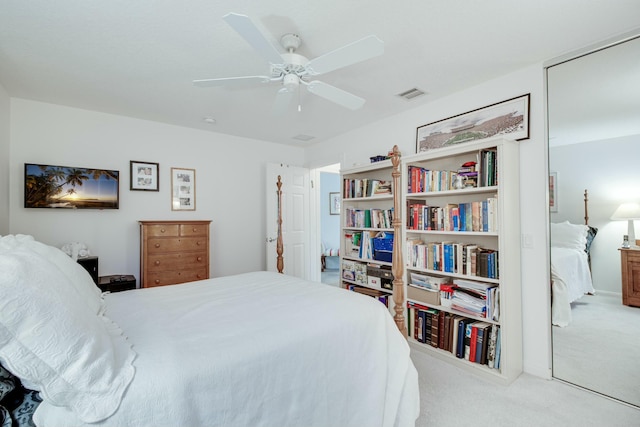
336 95
282 101
232 81
357 51
246 28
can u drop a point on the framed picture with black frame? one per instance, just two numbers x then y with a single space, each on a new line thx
144 176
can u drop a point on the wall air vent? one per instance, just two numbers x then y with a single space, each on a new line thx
411 93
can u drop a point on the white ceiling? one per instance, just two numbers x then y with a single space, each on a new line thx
138 58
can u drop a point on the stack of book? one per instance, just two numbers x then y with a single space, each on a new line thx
476 298
379 295
470 174
469 339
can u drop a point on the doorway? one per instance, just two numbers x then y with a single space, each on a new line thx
329 223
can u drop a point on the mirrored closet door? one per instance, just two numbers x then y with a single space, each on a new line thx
594 146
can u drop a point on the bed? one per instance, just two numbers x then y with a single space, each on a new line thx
570 266
253 349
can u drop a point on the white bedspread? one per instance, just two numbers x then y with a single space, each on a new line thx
258 349
571 279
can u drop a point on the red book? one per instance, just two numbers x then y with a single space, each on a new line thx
472 343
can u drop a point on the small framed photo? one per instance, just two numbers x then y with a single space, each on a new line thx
183 189
334 203
144 176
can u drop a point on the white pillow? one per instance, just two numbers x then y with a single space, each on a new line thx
567 235
50 338
78 277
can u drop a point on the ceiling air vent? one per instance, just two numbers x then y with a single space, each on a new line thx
303 137
411 93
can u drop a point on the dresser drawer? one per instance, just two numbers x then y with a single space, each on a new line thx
158 245
162 278
177 261
166 230
194 229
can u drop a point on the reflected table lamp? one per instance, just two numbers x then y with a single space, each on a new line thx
628 212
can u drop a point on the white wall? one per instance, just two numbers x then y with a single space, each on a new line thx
611 180
4 160
230 174
357 146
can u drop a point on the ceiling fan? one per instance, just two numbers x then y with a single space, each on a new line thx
292 70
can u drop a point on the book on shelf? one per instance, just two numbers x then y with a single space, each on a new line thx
452 257
477 216
356 188
426 281
491 350
369 218
465 338
479 331
376 294
474 298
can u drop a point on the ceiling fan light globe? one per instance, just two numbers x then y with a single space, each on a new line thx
291 82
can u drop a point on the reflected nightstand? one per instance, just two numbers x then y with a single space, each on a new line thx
630 266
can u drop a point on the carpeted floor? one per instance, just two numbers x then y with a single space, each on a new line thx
600 347
331 277
451 397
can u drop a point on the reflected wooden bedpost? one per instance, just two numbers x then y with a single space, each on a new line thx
279 245
397 267
586 208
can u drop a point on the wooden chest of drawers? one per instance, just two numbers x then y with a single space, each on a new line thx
630 258
173 252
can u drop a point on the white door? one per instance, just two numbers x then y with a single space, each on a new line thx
295 219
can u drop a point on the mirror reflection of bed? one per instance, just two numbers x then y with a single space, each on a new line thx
596 338
570 265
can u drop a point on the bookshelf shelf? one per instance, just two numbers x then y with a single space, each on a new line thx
464 244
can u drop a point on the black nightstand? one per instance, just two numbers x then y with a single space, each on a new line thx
117 283
90 264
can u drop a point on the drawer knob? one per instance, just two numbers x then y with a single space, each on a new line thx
162 230
157 245
199 258
157 263
157 281
195 229
198 243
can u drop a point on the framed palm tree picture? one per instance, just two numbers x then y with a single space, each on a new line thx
48 186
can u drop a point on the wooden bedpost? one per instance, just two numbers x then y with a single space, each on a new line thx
586 209
397 267
279 244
